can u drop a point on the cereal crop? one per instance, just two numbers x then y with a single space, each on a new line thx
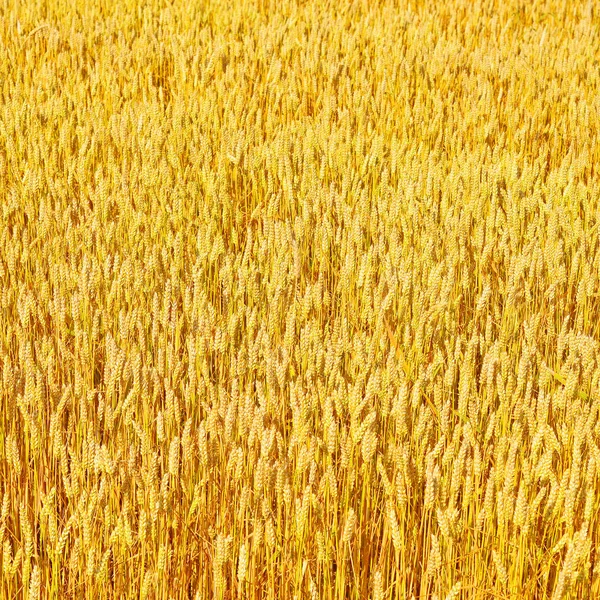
299 299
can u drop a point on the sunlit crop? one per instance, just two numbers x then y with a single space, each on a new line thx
299 299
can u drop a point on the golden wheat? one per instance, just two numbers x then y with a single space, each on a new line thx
299 299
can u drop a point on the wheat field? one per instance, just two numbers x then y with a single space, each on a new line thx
299 299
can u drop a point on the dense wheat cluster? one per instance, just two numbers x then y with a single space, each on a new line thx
299 299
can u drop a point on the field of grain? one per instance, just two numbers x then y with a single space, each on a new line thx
299 299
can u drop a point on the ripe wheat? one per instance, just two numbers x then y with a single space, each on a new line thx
299 299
